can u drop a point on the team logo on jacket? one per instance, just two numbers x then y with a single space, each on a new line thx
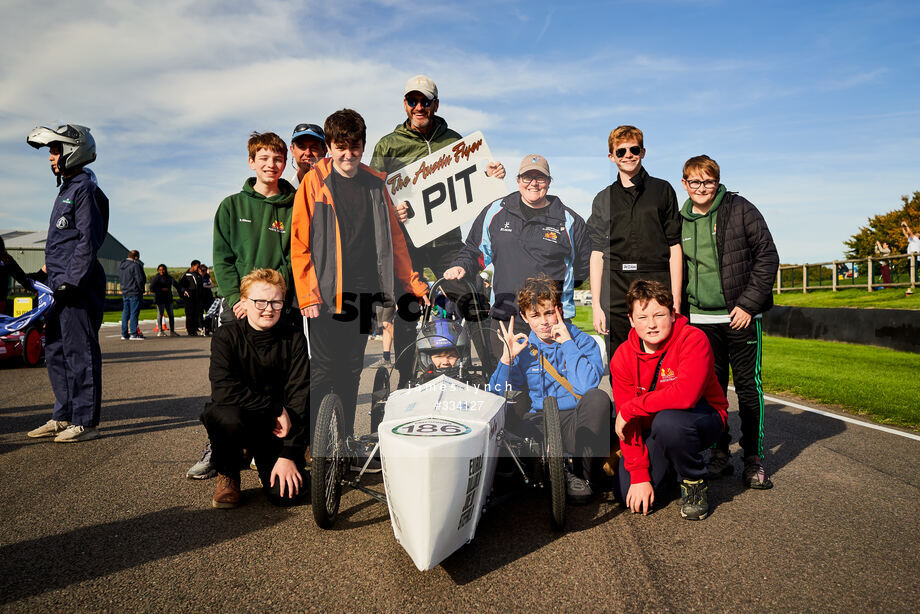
550 235
62 223
666 375
506 227
277 226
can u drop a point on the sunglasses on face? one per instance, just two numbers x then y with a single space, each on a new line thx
634 150
696 183
412 101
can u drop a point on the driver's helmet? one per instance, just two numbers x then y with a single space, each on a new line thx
77 145
439 335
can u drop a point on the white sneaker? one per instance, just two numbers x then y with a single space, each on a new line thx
76 432
52 427
161 334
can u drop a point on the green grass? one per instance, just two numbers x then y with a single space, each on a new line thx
870 381
146 314
889 298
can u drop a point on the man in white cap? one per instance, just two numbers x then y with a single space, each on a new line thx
422 133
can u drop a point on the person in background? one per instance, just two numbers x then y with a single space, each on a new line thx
191 292
882 249
161 287
9 268
132 279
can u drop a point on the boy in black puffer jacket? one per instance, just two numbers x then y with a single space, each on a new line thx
730 265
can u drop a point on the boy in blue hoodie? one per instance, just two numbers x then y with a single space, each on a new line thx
557 359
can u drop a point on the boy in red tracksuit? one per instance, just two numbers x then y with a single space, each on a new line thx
670 406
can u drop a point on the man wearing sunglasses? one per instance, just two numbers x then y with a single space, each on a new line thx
635 234
422 133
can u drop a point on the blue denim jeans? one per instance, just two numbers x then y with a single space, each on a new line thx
130 311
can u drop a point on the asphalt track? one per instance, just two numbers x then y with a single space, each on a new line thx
113 525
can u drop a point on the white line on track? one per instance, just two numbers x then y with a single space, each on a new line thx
839 417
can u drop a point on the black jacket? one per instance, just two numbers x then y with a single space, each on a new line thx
636 230
161 287
552 241
748 259
191 282
263 372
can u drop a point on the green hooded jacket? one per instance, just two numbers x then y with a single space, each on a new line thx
698 240
404 146
252 232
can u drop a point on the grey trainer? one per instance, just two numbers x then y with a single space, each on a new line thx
694 502
755 476
204 468
77 432
49 429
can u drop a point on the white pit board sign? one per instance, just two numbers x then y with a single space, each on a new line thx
445 188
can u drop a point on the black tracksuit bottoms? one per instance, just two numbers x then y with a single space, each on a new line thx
232 429
741 350
675 443
337 344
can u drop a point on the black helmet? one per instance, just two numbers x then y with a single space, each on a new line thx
439 335
77 145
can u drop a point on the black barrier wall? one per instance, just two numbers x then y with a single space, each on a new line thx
898 329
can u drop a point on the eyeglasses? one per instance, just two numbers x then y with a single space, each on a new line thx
696 183
528 179
412 101
634 150
261 303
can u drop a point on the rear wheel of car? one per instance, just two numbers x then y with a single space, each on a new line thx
33 346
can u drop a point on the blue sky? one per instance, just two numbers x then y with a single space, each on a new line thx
811 109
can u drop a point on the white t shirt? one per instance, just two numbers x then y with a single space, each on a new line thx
913 245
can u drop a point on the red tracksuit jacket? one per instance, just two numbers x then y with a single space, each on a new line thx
685 377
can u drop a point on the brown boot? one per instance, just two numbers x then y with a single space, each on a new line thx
228 493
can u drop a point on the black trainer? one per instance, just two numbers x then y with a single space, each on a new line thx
720 464
577 490
694 504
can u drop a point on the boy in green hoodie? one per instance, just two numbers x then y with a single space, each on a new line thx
252 230
730 265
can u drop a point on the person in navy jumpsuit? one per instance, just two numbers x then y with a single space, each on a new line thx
78 226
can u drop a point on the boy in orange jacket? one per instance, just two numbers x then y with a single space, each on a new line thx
348 255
